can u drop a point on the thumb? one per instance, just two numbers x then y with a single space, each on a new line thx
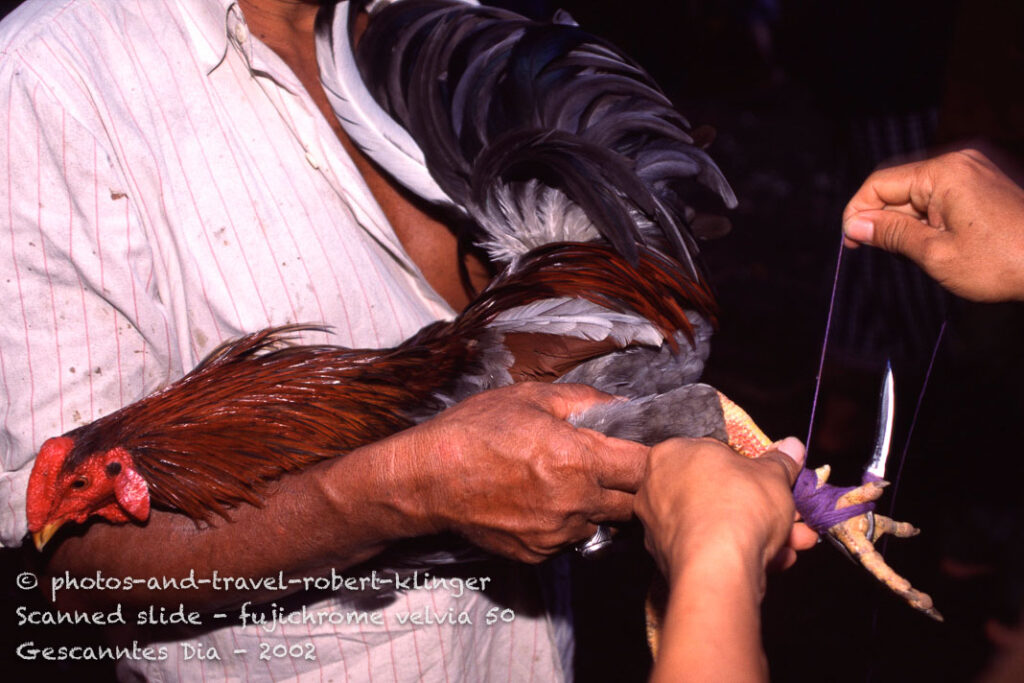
790 452
890 230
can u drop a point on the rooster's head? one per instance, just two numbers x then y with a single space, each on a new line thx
67 489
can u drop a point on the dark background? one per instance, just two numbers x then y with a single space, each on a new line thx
791 87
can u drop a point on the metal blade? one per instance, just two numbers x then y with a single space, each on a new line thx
883 440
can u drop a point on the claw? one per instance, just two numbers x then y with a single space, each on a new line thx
852 534
884 525
858 535
867 492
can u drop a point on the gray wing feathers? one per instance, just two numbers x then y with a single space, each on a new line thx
645 370
691 411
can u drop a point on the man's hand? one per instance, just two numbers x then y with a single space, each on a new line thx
957 216
507 472
714 522
700 495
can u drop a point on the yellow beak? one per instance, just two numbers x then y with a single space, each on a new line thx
43 536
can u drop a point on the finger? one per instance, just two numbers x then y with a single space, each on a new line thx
563 400
858 229
893 231
589 532
802 537
616 464
611 506
529 556
572 534
908 184
790 453
784 559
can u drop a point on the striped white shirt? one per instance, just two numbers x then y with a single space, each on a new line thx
167 184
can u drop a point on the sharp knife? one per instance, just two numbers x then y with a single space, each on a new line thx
883 439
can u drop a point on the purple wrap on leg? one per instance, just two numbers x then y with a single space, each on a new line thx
817 506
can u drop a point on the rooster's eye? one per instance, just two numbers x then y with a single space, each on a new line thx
78 484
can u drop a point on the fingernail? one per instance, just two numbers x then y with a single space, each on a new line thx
792 447
859 230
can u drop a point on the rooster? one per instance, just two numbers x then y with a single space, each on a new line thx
580 178
258 407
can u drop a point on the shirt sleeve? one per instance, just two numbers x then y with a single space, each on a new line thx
82 330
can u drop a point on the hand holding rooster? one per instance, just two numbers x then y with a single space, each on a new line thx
507 472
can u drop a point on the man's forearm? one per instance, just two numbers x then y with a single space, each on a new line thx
503 469
333 515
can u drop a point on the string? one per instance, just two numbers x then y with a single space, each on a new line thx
896 483
824 343
913 423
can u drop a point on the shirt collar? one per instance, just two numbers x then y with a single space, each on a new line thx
213 25
206 22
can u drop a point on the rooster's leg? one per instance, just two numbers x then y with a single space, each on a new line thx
857 533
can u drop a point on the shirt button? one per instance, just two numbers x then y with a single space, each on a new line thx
241 32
